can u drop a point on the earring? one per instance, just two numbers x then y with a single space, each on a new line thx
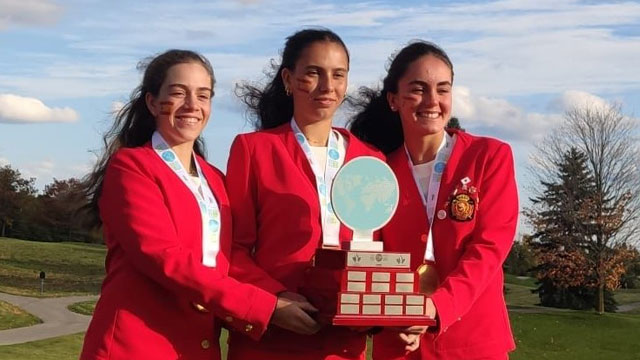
393 108
287 90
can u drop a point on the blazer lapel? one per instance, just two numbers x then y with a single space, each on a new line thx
351 150
216 183
410 197
297 155
449 171
410 206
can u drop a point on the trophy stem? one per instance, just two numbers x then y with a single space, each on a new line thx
362 235
363 240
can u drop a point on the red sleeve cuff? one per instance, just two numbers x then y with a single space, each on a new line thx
257 318
444 310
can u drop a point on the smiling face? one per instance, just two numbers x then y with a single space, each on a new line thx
423 100
183 105
318 82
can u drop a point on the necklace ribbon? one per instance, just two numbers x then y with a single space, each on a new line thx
324 179
429 200
207 204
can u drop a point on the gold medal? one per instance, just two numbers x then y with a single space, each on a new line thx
427 278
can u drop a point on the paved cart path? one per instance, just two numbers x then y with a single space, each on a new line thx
57 320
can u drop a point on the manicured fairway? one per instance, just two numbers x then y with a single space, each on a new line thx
70 268
12 317
576 335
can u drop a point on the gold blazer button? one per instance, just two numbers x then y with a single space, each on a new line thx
200 308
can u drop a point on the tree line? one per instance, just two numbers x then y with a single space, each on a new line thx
50 216
585 211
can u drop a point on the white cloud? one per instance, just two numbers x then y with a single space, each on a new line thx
4 161
38 169
523 18
28 12
577 99
19 109
116 106
45 167
361 15
593 60
503 119
45 170
77 171
59 77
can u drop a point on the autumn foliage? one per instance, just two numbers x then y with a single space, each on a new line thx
49 216
572 264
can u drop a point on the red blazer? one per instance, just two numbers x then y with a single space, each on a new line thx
276 218
155 276
473 319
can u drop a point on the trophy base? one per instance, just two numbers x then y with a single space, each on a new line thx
376 320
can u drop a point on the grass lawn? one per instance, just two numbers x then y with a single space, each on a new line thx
71 268
518 295
60 348
520 280
576 335
635 311
12 317
626 296
84 308
555 336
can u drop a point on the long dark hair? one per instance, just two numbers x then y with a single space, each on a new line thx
270 106
134 124
374 121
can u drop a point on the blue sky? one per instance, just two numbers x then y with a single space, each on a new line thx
64 65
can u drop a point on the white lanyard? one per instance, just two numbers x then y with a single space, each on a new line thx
324 179
429 200
209 211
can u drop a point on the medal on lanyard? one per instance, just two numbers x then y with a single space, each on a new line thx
207 204
324 178
427 274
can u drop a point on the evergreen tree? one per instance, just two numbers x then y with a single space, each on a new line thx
608 139
454 123
520 260
564 224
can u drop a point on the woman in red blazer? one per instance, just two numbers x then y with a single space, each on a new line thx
458 207
277 179
167 227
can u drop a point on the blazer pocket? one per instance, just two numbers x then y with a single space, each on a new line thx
135 338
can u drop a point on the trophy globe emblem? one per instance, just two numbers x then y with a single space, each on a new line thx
364 197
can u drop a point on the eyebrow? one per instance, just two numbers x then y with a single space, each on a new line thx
423 83
320 68
186 88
